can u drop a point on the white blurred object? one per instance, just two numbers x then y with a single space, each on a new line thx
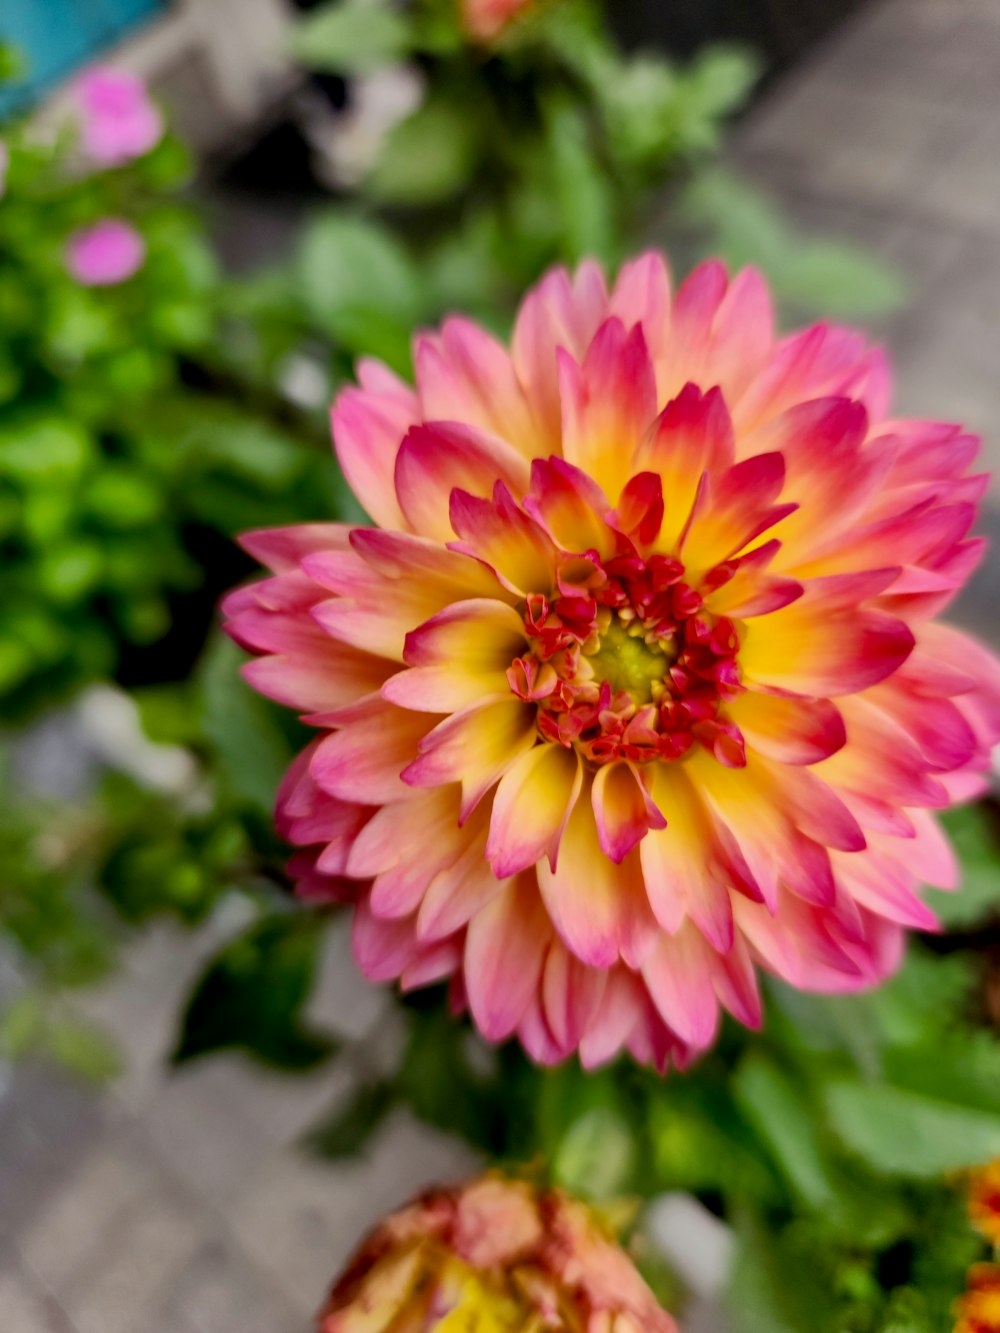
693 1241
217 64
109 723
304 380
347 144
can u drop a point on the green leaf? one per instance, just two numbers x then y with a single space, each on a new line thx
250 748
351 37
744 226
428 157
22 1026
44 449
719 81
346 1133
909 1134
841 279
783 1118
581 190
359 284
84 1050
596 1156
975 833
252 994
769 1294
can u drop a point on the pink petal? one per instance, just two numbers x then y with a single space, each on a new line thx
464 374
363 761
558 312
504 947
623 810
570 507
692 435
382 949
508 541
587 896
368 429
436 458
459 657
679 977
608 403
474 748
793 731
531 806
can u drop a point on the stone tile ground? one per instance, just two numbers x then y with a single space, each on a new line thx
181 1203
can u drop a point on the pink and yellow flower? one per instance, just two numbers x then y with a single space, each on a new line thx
485 20
118 121
497 1256
978 1311
636 686
984 1201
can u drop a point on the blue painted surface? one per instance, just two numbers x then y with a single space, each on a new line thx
57 36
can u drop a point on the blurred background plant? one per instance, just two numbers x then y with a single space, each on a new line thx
153 405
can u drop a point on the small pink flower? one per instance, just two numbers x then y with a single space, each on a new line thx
638 686
107 253
4 164
118 120
485 19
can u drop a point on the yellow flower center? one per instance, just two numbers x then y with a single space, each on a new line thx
628 661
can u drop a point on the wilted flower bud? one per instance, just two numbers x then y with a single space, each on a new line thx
494 1256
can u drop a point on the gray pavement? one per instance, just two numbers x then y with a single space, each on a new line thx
180 1202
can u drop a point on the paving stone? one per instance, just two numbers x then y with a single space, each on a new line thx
300 1217
25 1307
148 1249
204 1130
48 1124
221 1291
69 1236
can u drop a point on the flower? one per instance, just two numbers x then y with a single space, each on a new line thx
106 253
118 122
636 686
984 1201
4 167
978 1311
484 20
494 1255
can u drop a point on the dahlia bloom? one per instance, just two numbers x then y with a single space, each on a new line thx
495 1255
636 686
118 121
978 1311
984 1201
102 255
484 20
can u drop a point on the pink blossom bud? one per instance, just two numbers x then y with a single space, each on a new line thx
106 253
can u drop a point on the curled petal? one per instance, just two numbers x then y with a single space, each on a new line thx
623 810
433 460
504 947
508 541
459 657
474 748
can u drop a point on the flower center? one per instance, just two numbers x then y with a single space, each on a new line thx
626 663
631 660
